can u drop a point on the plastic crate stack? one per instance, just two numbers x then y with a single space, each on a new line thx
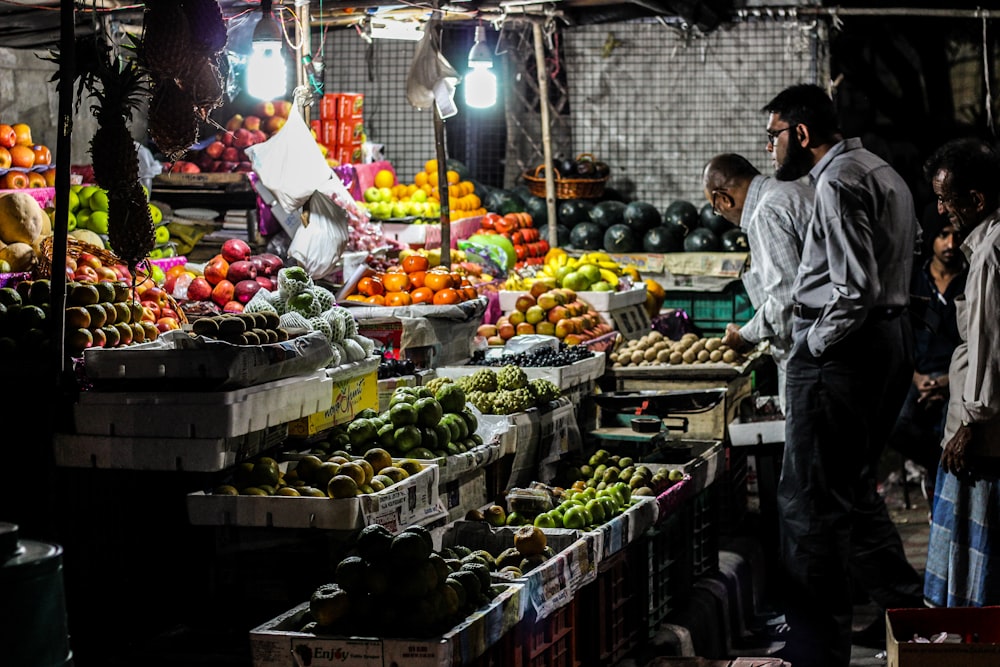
712 311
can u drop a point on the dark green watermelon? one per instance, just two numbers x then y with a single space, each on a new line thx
612 194
512 204
586 236
563 236
702 240
608 213
574 211
735 240
522 191
663 239
493 199
709 220
641 217
683 213
538 210
619 238
459 168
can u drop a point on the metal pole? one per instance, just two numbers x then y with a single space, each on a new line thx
543 102
67 72
442 162
304 49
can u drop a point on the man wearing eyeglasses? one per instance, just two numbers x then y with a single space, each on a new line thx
774 215
847 375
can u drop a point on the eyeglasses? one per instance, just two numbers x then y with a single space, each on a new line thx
772 135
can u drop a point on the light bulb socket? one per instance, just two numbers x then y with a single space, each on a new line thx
480 54
267 29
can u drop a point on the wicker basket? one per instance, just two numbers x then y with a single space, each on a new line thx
566 188
74 248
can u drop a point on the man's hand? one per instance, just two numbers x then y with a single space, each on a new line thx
733 339
930 389
955 458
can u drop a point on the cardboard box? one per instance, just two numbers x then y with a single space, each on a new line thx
415 500
350 105
328 132
328 107
349 154
978 628
599 301
350 132
278 642
218 414
353 388
580 372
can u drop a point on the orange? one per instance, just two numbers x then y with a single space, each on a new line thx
385 179
376 299
446 296
22 156
413 263
398 299
370 286
432 178
417 278
452 176
470 293
396 282
422 295
437 280
22 134
431 166
420 180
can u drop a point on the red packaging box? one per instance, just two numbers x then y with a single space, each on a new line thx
328 134
350 105
350 154
328 107
317 129
350 132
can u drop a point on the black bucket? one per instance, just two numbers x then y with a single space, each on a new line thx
32 602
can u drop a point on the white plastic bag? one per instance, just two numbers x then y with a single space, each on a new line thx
318 245
290 163
431 78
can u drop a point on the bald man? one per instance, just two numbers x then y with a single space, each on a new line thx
774 215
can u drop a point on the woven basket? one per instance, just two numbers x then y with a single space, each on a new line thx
74 248
566 188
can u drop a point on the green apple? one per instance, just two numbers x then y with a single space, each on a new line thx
162 234
419 196
596 509
545 520
372 194
85 194
74 201
516 519
676 475
157 274
155 253
98 200
399 210
155 213
99 222
385 194
70 222
575 518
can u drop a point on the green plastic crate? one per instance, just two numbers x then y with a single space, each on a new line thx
712 311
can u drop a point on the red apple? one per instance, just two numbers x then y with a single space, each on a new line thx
166 311
89 259
245 289
226 167
251 123
259 137
226 138
85 274
165 324
199 289
205 162
215 149
234 123
153 306
190 168
216 270
107 273
230 154
153 293
8 137
242 138
265 283
4 158
274 263
282 108
241 270
244 167
233 307
14 180
274 123
265 109
233 250
222 293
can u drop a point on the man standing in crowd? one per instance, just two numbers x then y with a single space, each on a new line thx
774 215
963 553
848 373
936 282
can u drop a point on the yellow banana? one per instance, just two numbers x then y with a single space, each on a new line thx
610 276
596 257
614 267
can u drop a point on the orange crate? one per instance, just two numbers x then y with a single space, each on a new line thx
550 642
616 609
704 540
669 566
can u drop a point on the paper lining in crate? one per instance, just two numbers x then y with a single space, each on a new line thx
612 536
579 372
414 500
175 360
218 414
600 301
277 643
353 388
158 453
548 586
706 466
463 494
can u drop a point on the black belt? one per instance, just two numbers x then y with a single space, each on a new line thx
875 313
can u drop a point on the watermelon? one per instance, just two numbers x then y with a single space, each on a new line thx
512 204
563 236
608 213
493 199
611 194
663 239
586 236
535 206
619 238
735 240
709 220
641 217
523 191
574 211
701 240
683 213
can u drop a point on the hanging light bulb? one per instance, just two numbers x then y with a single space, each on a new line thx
480 83
266 72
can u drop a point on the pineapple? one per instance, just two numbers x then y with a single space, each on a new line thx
112 149
130 225
166 48
172 122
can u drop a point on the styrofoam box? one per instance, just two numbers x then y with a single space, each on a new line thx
412 501
756 433
277 642
218 414
602 301
548 586
579 372
156 453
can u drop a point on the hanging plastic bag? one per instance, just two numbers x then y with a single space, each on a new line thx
319 243
431 77
290 163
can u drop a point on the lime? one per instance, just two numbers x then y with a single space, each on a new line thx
360 431
429 412
407 438
403 414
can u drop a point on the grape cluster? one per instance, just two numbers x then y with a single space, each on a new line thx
564 356
389 367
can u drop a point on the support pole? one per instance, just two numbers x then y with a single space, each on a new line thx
304 51
67 72
442 162
543 103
